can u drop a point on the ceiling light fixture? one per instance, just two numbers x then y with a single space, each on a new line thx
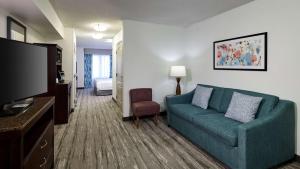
97 36
101 27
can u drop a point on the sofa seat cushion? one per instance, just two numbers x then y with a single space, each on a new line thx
188 111
219 126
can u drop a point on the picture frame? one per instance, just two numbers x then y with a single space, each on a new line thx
16 30
244 53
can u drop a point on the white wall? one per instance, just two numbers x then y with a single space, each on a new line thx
32 35
74 47
80 66
47 9
277 17
116 39
69 58
149 51
98 51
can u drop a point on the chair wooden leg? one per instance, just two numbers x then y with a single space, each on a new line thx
156 118
137 121
134 119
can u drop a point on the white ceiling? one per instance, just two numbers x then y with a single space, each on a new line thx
80 14
30 14
88 42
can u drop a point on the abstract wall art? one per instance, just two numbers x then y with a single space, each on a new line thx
241 53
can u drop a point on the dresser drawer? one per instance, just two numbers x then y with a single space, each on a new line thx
40 162
50 160
34 160
46 144
40 156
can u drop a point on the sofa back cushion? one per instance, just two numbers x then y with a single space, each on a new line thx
267 104
215 101
201 96
221 97
243 107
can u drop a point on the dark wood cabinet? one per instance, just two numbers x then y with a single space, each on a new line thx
61 91
27 139
63 102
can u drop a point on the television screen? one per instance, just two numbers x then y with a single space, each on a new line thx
23 70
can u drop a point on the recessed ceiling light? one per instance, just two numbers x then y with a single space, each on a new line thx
97 36
100 27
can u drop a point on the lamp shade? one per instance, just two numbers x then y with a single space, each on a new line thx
178 71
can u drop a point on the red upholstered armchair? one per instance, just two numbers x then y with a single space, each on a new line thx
142 104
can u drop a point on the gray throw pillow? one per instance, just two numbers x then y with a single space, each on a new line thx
243 107
201 96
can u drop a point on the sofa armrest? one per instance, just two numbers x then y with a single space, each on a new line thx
181 99
269 140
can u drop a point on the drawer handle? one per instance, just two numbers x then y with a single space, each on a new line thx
44 162
44 145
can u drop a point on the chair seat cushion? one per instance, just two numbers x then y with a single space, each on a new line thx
145 108
219 126
187 111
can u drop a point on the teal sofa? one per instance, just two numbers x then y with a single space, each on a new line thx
262 143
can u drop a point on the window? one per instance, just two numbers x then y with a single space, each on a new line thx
101 67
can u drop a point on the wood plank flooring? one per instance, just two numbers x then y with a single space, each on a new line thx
97 138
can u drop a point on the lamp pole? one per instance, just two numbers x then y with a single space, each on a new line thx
178 90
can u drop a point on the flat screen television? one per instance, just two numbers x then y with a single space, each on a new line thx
23 70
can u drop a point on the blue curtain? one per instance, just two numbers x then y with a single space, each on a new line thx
88 71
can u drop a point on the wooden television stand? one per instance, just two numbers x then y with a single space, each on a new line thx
27 139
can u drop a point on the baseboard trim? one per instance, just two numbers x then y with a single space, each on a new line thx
114 99
131 118
297 158
80 87
163 113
